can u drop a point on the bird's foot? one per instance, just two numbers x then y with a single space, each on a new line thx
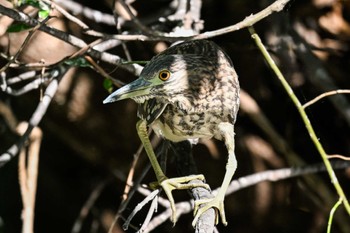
171 184
217 203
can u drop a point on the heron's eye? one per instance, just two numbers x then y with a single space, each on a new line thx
164 75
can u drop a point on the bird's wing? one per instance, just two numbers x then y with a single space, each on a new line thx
150 110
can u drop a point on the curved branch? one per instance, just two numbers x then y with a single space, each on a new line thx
35 119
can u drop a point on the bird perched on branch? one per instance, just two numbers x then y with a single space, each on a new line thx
188 91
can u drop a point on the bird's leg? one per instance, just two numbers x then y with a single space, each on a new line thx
167 184
227 132
141 127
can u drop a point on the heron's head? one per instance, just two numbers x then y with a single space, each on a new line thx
165 77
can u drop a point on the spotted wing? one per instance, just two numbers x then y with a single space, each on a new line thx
150 110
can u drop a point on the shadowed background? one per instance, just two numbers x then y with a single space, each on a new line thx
86 144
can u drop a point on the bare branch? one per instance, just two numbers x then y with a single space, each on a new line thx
146 30
28 175
75 41
248 181
319 76
38 81
323 95
36 117
68 15
277 6
151 197
338 157
88 205
24 44
22 77
248 21
97 16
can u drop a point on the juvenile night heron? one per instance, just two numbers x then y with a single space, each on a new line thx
189 91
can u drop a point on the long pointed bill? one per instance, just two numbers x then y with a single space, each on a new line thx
139 87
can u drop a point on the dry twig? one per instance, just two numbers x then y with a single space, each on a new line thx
28 175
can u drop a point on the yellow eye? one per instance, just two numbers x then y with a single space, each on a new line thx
164 75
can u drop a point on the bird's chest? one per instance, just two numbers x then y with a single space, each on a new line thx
177 125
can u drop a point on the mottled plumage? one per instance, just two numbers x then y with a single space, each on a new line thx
189 91
193 106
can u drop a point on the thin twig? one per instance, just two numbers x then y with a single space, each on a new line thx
117 3
73 40
331 215
130 176
146 30
305 118
318 75
135 184
151 211
139 207
28 176
36 117
95 15
277 6
88 205
22 77
146 191
9 117
247 22
68 15
338 157
25 43
323 95
31 85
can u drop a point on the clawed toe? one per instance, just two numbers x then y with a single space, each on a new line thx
169 185
215 203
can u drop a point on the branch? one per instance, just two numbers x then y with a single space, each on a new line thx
248 21
248 181
331 214
28 174
97 16
84 211
24 44
319 76
75 41
36 117
38 81
22 77
323 95
277 6
304 117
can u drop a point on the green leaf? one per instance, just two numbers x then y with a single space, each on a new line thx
78 61
44 8
34 3
108 85
18 27
43 14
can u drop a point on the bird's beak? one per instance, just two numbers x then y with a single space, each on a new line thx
139 87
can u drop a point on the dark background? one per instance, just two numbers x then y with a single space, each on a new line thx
86 143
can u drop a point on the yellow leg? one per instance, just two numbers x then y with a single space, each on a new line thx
227 133
141 127
168 185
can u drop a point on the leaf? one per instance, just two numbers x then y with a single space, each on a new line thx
78 61
44 8
108 85
18 27
43 14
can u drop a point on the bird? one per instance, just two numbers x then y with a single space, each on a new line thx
189 91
